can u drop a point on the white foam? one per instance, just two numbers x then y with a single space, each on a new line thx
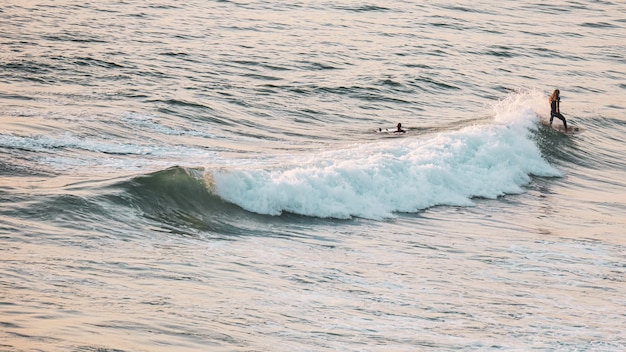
375 180
72 152
69 140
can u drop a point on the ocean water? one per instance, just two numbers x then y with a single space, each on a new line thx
221 176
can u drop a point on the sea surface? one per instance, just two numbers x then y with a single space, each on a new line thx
222 176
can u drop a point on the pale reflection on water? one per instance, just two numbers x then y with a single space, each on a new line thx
451 283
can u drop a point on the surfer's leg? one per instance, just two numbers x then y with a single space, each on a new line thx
562 118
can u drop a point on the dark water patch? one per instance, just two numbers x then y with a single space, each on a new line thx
237 101
11 169
275 67
533 33
268 89
261 77
132 94
371 97
501 51
153 73
448 22
28 67
437 53
390 83
107 10
90 61
600 25
319 66
337 90
466 9
455 26
543 52
139 15
364 8
14 96
74 38
422 66
575 35
173 53
546 8
163 7
310 112
183 103
433 84
493 31
504 90
589 89
253 64
9 325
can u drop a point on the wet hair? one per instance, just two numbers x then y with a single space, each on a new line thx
555 95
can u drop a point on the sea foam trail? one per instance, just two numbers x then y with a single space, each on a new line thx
374 180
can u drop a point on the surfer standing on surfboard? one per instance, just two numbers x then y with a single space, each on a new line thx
555 110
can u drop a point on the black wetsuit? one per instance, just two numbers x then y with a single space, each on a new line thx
554 112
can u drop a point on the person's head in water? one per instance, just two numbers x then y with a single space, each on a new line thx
399 127
555 95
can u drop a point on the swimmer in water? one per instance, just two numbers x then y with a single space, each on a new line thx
398 129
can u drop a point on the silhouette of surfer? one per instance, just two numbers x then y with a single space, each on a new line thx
555 110
398 129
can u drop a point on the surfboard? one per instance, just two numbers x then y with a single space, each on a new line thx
390 131
559 128
570 129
